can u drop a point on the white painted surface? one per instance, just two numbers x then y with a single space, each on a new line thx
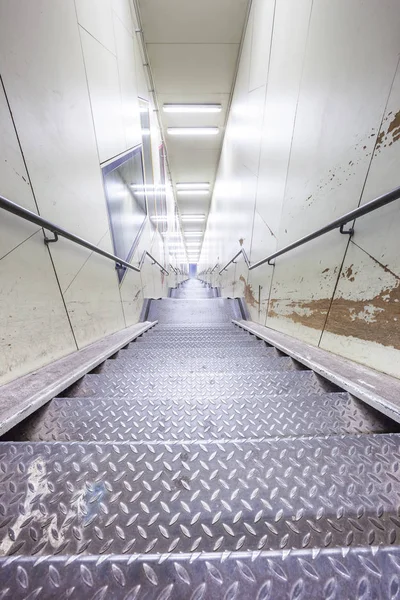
326 75
34 328
105 97
193 49
97 20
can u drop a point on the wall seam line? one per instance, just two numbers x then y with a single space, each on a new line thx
37 208
291 143
358 204
20 244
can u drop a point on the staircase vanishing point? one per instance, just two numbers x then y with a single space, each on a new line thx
200 463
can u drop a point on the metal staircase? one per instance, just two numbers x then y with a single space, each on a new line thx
200 463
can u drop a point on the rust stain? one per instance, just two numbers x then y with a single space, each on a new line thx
394 127
348 273
326 270
248 293
374 320
392 133
241 241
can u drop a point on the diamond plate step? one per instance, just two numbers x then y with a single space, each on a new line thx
333 574
231 334
100 498
124 419
210 385
238 343
186 364
208 351
212 310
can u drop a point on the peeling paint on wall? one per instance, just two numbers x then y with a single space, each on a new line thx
248 293
375 319
392 134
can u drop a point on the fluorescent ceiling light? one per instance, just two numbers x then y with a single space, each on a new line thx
193 233
192 108
192 186
193 217
191 244
193 193
193 130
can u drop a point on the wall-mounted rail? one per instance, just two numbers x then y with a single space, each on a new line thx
339 223
27 215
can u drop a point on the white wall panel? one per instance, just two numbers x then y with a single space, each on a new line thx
105 97
15 184
263 12
330 76
97 19
128 86
98 313
34 328
42 65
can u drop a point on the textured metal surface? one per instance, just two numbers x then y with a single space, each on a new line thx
192 289
210 311
81 498
209 385
123 419
207 352
186 364
200 464
332 574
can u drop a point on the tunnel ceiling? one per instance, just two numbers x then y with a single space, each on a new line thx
193 49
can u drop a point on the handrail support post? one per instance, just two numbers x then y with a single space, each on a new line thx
346 231
48 240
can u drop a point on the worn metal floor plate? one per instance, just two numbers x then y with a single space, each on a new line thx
210 385
217 352
330 574
99 498
124 419
168 364
210 311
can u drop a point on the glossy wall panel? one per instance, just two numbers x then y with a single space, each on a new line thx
72 72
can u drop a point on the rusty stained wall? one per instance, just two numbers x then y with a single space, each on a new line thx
330 133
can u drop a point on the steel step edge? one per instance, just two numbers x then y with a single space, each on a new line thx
334 573
108 419
288 493
215 385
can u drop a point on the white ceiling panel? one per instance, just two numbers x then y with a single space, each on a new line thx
188 21
194 68
193 50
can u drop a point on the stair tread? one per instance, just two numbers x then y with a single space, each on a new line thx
198 365
125 419
329 573
102 498
207 385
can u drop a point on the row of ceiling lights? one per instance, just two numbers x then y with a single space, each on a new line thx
192 189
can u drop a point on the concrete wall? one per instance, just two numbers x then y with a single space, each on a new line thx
71 73
312 133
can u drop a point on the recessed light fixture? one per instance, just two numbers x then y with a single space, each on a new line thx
193 192
193 130
192 108
193 217
192 186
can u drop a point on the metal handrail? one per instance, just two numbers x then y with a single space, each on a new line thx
339 223
26 214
